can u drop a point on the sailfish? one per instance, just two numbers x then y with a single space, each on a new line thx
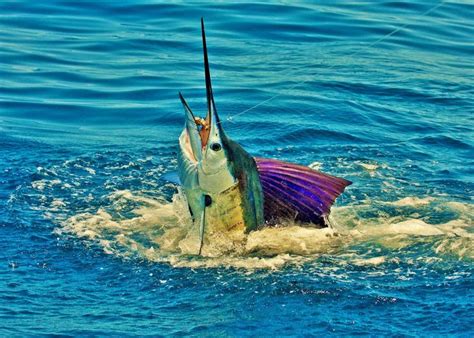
228 190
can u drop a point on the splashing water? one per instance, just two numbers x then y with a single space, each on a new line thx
161 231
92 235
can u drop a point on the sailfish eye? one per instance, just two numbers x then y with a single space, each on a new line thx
216 146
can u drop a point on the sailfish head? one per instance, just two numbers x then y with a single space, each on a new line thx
229 190
206 136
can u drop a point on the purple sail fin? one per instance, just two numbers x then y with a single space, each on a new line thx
297 192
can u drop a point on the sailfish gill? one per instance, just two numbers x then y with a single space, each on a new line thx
228 190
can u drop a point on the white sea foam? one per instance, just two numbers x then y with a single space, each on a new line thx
43 184
163 232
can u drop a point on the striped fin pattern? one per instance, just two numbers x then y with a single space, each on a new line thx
297 192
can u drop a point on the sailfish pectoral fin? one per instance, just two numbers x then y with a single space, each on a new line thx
206 202
201 230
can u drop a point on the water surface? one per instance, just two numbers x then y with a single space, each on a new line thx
93 237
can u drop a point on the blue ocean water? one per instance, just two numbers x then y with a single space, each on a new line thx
89 119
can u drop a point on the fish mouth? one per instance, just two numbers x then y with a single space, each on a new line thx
199 129
193 123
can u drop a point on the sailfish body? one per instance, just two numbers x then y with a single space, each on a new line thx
229 191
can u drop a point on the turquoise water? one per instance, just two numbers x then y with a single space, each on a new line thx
92 236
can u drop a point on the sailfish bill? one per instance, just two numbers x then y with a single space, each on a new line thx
230 192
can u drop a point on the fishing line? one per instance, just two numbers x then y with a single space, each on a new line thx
383 38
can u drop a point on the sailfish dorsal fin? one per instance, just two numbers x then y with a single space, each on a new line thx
297 192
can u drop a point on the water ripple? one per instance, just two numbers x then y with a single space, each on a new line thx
89 120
